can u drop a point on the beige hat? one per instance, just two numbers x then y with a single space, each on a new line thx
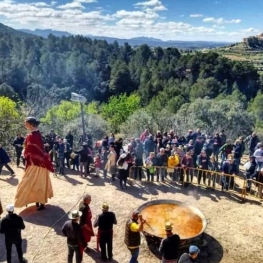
105 207
168 226
75 214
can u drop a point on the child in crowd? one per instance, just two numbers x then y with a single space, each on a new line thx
97 163
150 162
104 158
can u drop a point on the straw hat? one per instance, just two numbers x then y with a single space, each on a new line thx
105 207
168 226
75 214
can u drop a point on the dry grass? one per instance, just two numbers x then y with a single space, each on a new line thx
234 233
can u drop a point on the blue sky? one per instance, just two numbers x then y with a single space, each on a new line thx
216 20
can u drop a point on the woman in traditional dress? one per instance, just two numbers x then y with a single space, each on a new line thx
35 186
85 219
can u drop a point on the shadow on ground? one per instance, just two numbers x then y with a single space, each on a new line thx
47 217
211 250
14 253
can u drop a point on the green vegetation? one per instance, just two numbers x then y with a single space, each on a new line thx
128 89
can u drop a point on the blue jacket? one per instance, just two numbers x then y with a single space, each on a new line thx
149 145
227 168
4 158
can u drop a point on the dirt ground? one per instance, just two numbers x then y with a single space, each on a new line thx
234 233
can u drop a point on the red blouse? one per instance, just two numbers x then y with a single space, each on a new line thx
34 151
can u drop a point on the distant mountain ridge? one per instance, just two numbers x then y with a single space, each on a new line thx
9 30
136 41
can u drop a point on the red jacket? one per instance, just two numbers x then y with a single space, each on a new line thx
34 151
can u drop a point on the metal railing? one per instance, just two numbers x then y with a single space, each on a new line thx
191 176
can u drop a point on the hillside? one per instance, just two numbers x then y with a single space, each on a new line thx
152 42
244 52
161 86
9 30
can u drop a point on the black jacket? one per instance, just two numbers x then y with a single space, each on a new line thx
169 247
105 221
73 232
11 226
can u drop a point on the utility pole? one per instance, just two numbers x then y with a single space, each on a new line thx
81 99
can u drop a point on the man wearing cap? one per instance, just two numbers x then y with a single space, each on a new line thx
11 226
170 245
75 240
105 222
132 235
191 256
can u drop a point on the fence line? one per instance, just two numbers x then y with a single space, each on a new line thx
194 176
252 188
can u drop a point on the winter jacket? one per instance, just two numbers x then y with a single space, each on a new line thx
4 158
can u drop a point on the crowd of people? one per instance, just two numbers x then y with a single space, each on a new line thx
163 154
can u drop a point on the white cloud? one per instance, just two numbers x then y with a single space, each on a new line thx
250 30
156 5
144 21
53 3
40 4
72 5
196 15
221 20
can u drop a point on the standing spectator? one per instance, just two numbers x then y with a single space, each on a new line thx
123 170
132 235
105 222
61 149
259 156
69 138
85 220
18 144
225 150
229 167
5 160
11 227
252 141
67 151
196 134
189 136
150 162
161 160
118 147
251 168
217 145
83 159
111 162
97 164
111 139
52 135
237 153
243 145
149 145
260 180
75 240
202 164
103 157
144 135
198 146
138 159
213 168
188 165
191 256
223 137
169 247
75 161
